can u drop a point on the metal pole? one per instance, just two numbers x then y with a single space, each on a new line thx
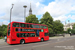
10 15
24 12
11 12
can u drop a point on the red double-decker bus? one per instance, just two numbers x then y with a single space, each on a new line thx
19 32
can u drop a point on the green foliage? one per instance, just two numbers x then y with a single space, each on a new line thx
57 27
32 19
69 30
3 30
65 32
73 31
74 26
1 37
47 20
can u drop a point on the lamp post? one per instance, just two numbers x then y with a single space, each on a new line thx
24 12
11 11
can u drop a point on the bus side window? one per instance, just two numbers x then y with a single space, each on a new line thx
45 27
15 24
8 32
22 35
9 26
32 35
27 25
41 26
17 34
46 34
31 26
27 34
22 25
36 26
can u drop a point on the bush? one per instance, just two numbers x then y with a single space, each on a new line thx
73 31
68 30
1 37
65 32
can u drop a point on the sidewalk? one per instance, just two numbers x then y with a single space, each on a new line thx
57 37
2 41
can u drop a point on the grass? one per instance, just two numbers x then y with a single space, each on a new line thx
1 37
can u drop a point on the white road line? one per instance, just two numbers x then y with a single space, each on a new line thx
15 49
51 43
40 45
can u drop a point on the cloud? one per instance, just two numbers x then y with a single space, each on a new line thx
58 9
18 9
73 17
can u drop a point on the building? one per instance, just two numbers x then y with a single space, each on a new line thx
30 11
69 25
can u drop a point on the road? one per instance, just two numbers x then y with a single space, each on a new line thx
66 43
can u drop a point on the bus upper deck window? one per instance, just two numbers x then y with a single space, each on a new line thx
45 27
31 26
41 26
15 24
27 25
36 26
22 25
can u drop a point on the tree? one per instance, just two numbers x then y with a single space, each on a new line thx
74 26
32 19
47 20
73 30
69 30
57 27
3 30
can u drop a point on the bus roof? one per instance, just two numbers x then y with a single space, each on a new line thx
27 23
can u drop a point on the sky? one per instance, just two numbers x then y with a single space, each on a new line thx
62 10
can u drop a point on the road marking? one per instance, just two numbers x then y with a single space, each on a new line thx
51 43
15 49
40 45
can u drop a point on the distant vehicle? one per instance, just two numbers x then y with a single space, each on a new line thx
19 32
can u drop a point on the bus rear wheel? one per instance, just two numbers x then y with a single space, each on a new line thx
42 39
22 41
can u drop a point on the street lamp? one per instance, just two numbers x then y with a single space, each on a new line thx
24 12
11 11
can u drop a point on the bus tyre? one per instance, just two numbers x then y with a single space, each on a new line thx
42 39
22 41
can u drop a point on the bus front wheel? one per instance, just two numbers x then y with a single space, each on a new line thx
42 39
22 41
